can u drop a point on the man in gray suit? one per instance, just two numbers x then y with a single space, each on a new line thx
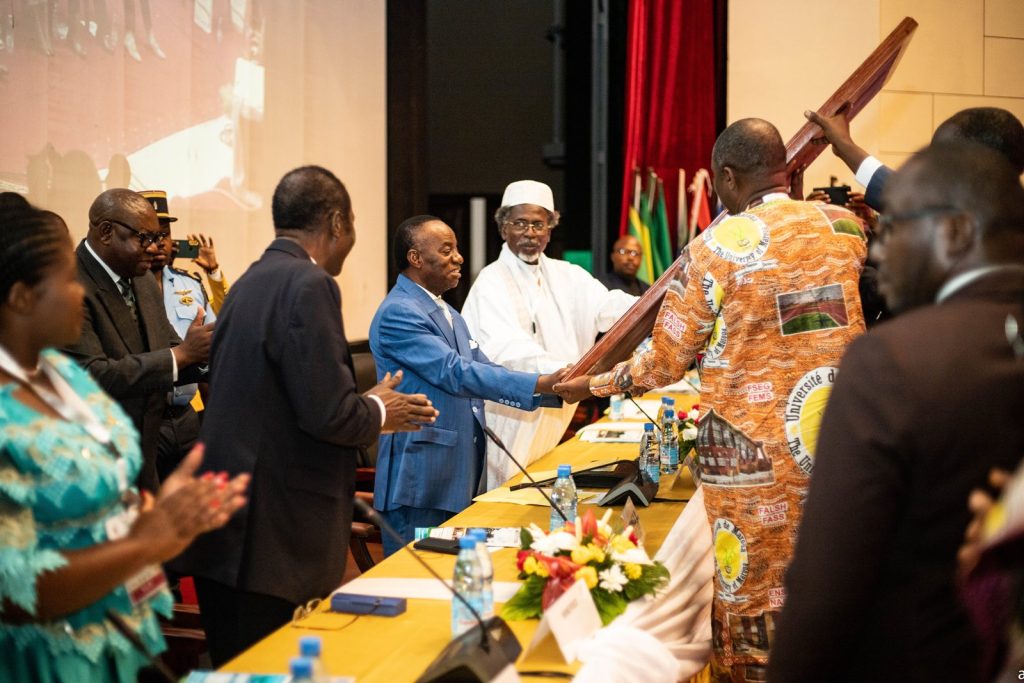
127 345
923 407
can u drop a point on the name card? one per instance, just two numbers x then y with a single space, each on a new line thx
630 517
570 619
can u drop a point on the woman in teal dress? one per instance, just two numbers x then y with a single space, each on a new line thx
69 552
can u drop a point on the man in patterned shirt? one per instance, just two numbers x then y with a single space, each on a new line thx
768 293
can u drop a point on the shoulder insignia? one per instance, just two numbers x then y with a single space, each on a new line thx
186 273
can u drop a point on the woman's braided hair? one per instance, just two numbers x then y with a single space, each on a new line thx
30 241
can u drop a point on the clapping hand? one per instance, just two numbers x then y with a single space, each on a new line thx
979 503
187 506
404 412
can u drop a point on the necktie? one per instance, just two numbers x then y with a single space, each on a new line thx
125 285
444 309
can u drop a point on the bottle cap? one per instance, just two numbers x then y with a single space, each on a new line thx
479 534
302 667
467 541
309 646
669 412
648 426
667 400
564 470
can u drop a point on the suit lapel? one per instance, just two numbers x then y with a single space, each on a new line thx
150 308
462 336
437 315
110 297
428 307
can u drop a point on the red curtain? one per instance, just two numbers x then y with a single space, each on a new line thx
673 52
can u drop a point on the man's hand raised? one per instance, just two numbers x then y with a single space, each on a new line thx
836 130
405 412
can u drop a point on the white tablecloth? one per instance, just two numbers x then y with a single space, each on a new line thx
668 637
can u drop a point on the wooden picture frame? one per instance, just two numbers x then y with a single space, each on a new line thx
859 89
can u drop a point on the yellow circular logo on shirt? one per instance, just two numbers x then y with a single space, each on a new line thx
740 239
804 409
730 555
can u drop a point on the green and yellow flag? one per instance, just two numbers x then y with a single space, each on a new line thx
661 242
638 229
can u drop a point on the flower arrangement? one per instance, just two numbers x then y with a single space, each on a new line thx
614 567
687 427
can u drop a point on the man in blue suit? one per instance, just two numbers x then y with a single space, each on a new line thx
423 478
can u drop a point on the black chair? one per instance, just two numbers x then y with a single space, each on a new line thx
363 531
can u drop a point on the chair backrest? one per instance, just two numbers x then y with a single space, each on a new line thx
366 379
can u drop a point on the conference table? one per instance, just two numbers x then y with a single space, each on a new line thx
379 649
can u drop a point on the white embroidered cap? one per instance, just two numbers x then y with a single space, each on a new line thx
528 192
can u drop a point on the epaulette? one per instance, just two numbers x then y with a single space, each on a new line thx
186 273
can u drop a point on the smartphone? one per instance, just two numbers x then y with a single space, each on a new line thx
837 194
186 248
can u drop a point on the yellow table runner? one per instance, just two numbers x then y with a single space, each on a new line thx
395 649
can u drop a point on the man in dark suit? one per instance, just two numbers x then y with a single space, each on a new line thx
127 345
923 407
283 406
427 477
625 257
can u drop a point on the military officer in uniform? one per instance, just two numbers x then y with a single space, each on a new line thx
185 299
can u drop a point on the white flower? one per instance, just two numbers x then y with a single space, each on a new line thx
613 579
634 555
693 415
553 542
690 434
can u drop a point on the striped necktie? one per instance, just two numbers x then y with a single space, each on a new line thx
125 285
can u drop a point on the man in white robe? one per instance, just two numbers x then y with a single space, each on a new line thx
532 313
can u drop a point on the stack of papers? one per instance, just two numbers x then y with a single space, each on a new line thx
613 432
524 496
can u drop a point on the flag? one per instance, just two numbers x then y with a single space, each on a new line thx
638 229
661 242
700 210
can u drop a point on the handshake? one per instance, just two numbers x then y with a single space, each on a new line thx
572 391
409 412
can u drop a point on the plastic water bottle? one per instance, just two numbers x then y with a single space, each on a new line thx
467 582
667 402
650 463
615 404
669 446
302 670
486 572
310 647
563 497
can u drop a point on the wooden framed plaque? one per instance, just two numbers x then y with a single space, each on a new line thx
862 85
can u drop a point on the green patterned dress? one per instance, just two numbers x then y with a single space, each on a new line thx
58 486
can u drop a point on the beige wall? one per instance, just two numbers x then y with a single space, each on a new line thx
790 55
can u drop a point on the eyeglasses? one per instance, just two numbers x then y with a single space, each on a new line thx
145 238
627 252
521 226
887 221
303 611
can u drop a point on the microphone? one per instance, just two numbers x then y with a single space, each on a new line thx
497 442
464 658
125 630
